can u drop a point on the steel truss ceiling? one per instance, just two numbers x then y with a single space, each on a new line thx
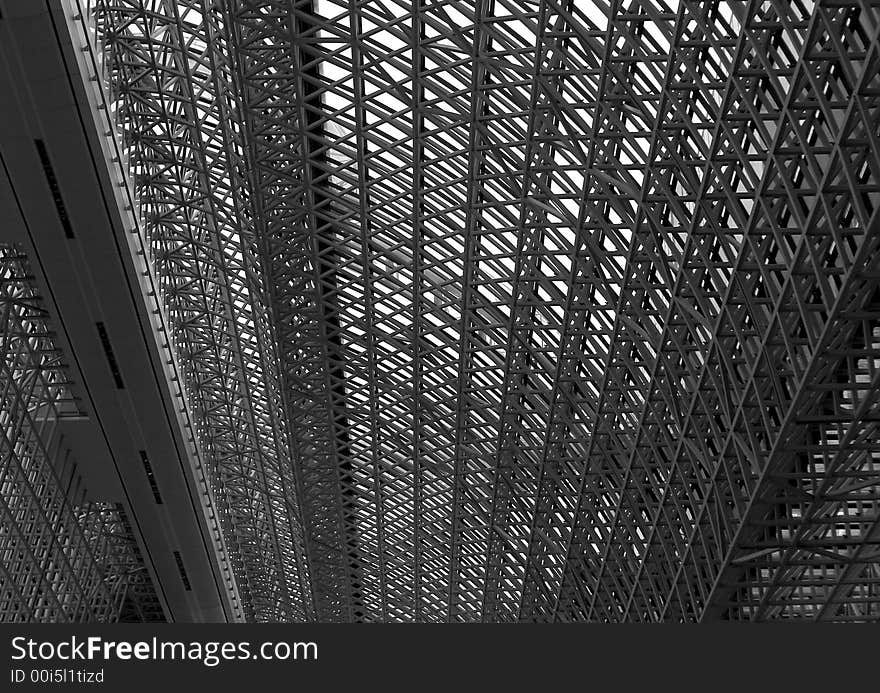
521 309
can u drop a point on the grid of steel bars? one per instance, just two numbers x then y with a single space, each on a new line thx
167 64
522 309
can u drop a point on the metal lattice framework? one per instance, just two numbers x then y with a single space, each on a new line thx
521 309
62 558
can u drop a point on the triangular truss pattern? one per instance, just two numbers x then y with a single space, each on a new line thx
521 309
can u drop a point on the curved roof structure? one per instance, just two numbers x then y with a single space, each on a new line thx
516 310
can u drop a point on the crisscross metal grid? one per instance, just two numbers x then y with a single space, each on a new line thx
169 67
521 309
